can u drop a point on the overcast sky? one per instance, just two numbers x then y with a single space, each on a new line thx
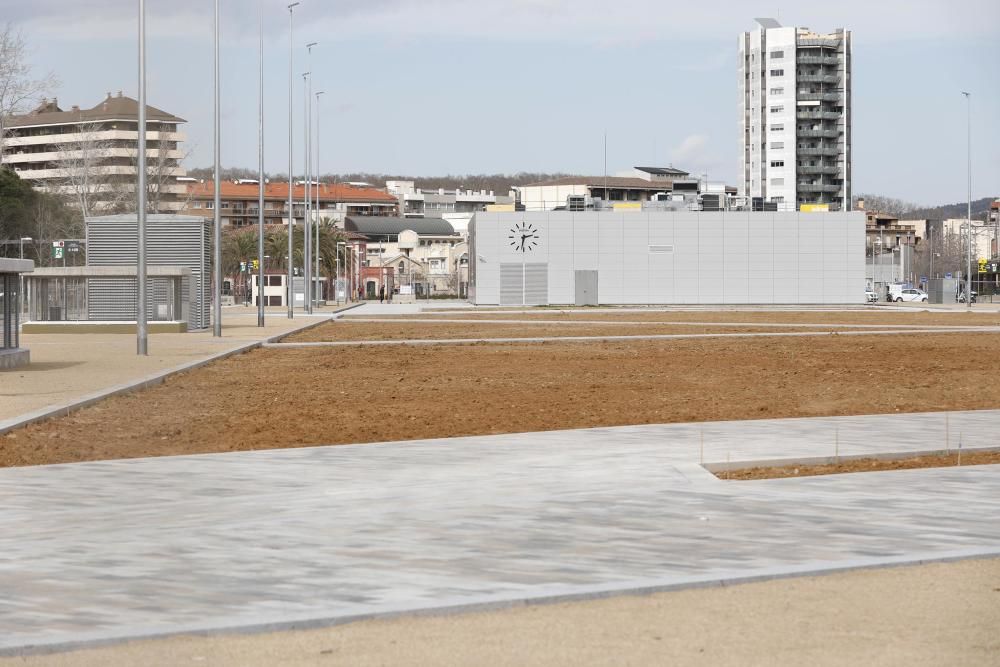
461 86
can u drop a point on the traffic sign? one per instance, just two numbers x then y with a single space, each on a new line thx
57 249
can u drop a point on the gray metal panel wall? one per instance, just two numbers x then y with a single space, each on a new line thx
168 243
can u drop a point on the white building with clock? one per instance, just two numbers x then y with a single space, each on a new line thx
662 257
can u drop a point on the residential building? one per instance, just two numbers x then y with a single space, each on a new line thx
795 117
428 255
89 155
456 206
641 184
239 202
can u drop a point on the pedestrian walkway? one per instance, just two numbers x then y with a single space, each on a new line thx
67 367
96 552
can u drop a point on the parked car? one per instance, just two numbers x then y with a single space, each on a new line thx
870 296
910 294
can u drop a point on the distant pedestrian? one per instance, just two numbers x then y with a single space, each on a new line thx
381 294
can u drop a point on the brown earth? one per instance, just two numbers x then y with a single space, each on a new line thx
863 465
355 331
293 397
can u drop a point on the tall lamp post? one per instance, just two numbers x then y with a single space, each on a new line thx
260 170
216 216
316 246
968 213
142 342
291 202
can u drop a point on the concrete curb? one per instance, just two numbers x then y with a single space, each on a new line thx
553 595
638 337
63 409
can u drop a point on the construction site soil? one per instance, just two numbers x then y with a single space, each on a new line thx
289 397
954 458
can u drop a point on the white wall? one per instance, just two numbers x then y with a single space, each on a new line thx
717 258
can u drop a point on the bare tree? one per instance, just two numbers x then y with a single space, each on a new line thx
51 221
886 205
81 164
18 89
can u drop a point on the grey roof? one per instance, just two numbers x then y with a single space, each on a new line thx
374 225
150 217
599 181
664 171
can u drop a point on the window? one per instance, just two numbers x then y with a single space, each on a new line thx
777 54
777 91
274 281
777 145
777 109
780 127
777 72
777 163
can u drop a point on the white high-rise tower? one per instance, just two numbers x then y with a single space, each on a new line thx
795 117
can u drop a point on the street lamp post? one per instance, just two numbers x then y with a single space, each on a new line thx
142 342
968 214
291 202
316 247
260 170
216 215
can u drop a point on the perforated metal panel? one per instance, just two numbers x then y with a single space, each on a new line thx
536 284
171 240
511 284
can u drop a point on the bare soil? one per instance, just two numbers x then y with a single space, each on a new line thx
356 331
863 465
275 398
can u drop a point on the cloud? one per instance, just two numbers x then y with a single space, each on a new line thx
691 150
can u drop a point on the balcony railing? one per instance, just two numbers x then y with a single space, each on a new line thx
820 97
817 60
818 78
821 150
823 169
818 115
818 187
825 134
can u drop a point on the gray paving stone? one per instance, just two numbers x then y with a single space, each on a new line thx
105 550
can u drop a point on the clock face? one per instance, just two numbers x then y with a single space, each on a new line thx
523 237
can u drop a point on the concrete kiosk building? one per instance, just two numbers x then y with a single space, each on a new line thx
795 117
655 257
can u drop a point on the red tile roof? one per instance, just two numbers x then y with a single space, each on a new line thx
339 192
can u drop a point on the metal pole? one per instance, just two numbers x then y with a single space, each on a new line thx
968 214
142 343
217 232
291 203
260 170
316 246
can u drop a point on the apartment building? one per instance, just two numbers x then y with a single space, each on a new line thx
795 117
89 155
238 202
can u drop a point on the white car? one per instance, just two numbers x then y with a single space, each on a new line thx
870 296
910 294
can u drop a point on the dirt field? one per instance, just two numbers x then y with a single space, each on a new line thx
353 331
293 397
863 465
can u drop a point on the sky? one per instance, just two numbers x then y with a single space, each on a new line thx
435 87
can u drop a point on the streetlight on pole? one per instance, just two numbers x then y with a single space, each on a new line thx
142 342
216 216
291 202
260 169
968 214
316 247
308 192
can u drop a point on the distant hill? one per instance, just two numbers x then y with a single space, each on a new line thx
980 210
498 183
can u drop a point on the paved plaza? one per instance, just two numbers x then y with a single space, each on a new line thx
95 552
